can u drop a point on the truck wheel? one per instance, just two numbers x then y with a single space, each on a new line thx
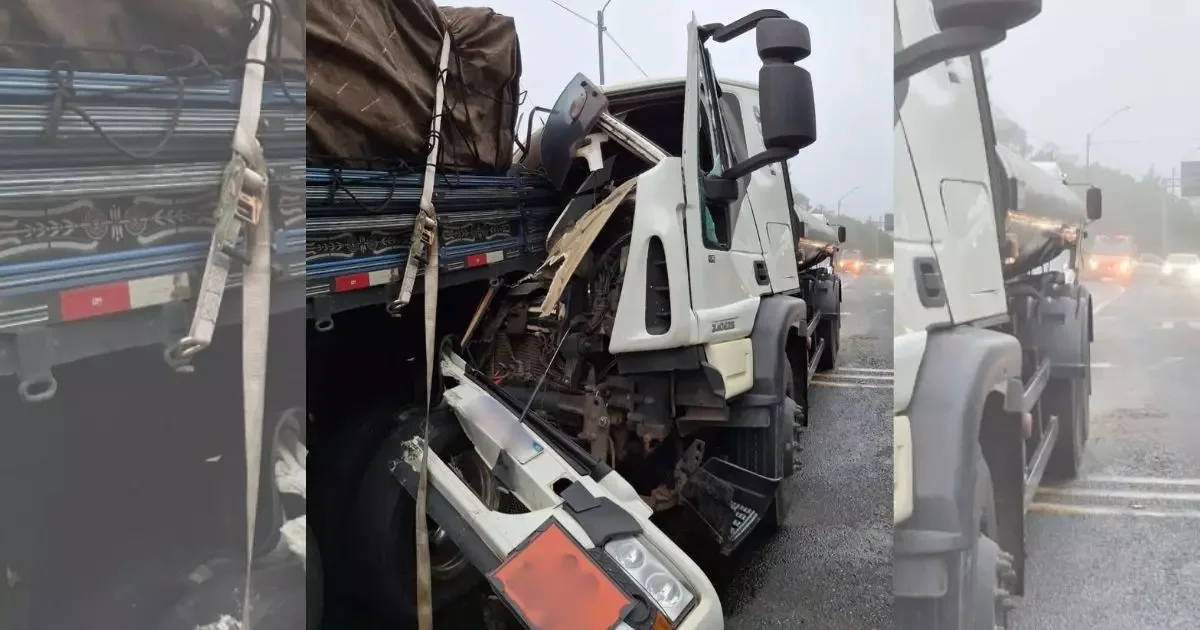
314 594
829 331
776 516
985 594
1068 400
381 534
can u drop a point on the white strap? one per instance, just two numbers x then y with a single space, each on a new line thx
429 213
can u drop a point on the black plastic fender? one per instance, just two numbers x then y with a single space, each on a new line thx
779 316
961 366
1062 332
827 296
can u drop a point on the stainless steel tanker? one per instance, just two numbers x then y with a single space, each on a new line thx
1045 212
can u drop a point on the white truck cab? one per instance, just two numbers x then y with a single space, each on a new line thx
992 345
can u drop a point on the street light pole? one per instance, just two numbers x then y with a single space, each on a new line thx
600 38
847 194
1087 151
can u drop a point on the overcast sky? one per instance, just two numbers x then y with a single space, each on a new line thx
1081 60
850 65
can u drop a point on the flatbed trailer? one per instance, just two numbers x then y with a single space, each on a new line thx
104 236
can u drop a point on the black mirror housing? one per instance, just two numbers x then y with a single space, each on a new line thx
1094 203
785 93
1001 15
889 222
841 234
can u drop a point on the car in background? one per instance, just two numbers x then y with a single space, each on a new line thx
1112 257
1181 268
885 266
850 262
1148 267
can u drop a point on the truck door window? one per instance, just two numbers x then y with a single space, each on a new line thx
718 224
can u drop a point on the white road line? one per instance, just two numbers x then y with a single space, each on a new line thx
869 370
1097 366
1096 308
1133 495
1141 481
1168 325
851 377
850 385
1096 510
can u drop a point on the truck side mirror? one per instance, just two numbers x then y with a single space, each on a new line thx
786 108
967 27
1000 15
841 234
1093 200
889 222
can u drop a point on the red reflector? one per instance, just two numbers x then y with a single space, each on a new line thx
102 299
477 260
352 282
552 584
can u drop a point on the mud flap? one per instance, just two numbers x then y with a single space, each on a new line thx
730 500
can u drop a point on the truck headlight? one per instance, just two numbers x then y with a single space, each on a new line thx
643 565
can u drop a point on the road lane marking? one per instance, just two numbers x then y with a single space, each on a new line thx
850 385
1141 481
1058 509
869 370
1096 308
1168 325
1105 493
1100 366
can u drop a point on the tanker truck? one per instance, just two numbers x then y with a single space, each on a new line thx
992 348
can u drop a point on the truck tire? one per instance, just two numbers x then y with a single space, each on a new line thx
982 590
277 598
381 530
1068 400
759 450
829 331
314 594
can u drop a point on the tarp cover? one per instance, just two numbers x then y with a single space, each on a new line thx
372 76
211 27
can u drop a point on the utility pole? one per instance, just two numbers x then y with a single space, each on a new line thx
600 28
600 41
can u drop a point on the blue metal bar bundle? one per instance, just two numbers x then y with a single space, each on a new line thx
59 118
70 225
360 217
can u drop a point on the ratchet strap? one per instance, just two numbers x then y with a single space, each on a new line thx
242 206
425 237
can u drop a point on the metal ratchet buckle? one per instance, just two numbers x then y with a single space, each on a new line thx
427 229
248 211
179 354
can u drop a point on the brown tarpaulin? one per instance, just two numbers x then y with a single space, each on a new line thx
372 70
209 26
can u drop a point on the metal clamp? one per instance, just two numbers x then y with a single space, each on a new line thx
424 232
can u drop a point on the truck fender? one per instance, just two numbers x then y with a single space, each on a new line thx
960 368
827 296
779 318
1062 332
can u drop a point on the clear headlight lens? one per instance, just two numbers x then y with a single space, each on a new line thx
642 564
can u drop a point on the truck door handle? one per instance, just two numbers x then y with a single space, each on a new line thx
930 287
760 273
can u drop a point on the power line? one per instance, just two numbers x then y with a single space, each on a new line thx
602 32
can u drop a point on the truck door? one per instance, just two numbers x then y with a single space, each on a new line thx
726 266
941 143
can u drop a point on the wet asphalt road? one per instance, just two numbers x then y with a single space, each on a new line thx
830 567
1119 548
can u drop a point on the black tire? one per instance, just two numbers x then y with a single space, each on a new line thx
277 598
381 540
943 613
314 584
750 446
1068 400
829 331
